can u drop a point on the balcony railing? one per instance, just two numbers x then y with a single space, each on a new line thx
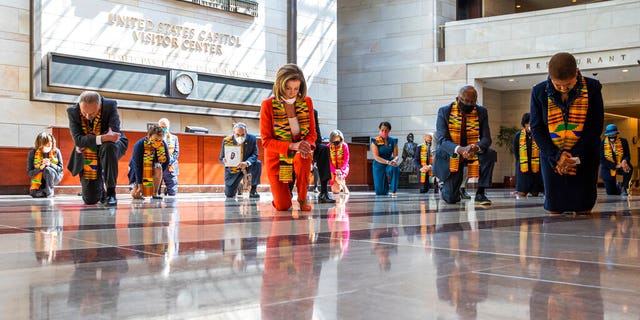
246 7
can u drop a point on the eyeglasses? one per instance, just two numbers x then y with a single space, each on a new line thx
336 143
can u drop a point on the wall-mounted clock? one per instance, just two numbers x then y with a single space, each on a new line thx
184 83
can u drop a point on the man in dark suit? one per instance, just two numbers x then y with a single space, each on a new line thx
464 139
249 164
322 159
615 159
94 123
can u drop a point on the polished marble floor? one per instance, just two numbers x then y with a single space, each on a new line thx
200 256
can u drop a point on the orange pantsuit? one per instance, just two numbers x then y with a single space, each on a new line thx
273 147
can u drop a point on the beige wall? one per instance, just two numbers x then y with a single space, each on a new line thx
81 28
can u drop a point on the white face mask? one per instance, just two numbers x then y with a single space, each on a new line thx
46 149
290 101
240 140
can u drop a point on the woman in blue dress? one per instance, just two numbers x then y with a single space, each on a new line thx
385 161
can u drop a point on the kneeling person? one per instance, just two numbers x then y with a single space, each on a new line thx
148 160
249 163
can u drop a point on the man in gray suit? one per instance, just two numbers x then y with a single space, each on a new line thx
464 139
94 124
248 165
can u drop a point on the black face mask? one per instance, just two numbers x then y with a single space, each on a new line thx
465 107
336 143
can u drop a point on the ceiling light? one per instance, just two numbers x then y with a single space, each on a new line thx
625 70
512 80
518 6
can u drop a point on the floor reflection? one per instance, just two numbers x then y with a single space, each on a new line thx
364 257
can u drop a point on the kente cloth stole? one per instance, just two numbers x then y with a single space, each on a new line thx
337 157
90 169
172 148
473 136
282 131
152 149
36 181
524 156
614 156
228 141
425 159
566 134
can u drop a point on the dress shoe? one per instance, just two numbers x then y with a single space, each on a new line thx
325 198
482 199
111 201
156 197
464 194
254 194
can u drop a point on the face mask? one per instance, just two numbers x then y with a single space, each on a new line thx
465 108
165 130
290 101
46 149
240 140
384 134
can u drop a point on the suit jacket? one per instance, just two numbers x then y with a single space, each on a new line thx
587 146
606 165
446 147
109 119
136 163
32 171
249 150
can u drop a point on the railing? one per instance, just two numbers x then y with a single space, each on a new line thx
246 7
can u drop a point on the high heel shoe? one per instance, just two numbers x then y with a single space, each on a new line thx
304 206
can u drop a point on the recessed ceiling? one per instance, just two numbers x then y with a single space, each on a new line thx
532 5
610 75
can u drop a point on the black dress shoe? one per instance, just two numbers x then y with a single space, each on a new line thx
156 197
482 199
325 198
254 195
464 194
111 201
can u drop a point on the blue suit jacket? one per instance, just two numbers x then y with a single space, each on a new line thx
249 150
136 162
446 147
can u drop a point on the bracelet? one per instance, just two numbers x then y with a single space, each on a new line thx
387 161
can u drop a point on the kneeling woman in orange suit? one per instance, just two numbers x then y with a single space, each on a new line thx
288 133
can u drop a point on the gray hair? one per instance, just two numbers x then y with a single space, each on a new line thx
241 125
336 133
89 97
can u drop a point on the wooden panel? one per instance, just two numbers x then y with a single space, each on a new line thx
198 159
212 170
188 159
14 161
358 169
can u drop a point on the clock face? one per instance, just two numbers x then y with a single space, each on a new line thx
184 83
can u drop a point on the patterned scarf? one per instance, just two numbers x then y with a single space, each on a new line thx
282 130
152 150
172 148
524 155
228 142
473 136
90 171
336 153
425 159
610 154
566 134
36 181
